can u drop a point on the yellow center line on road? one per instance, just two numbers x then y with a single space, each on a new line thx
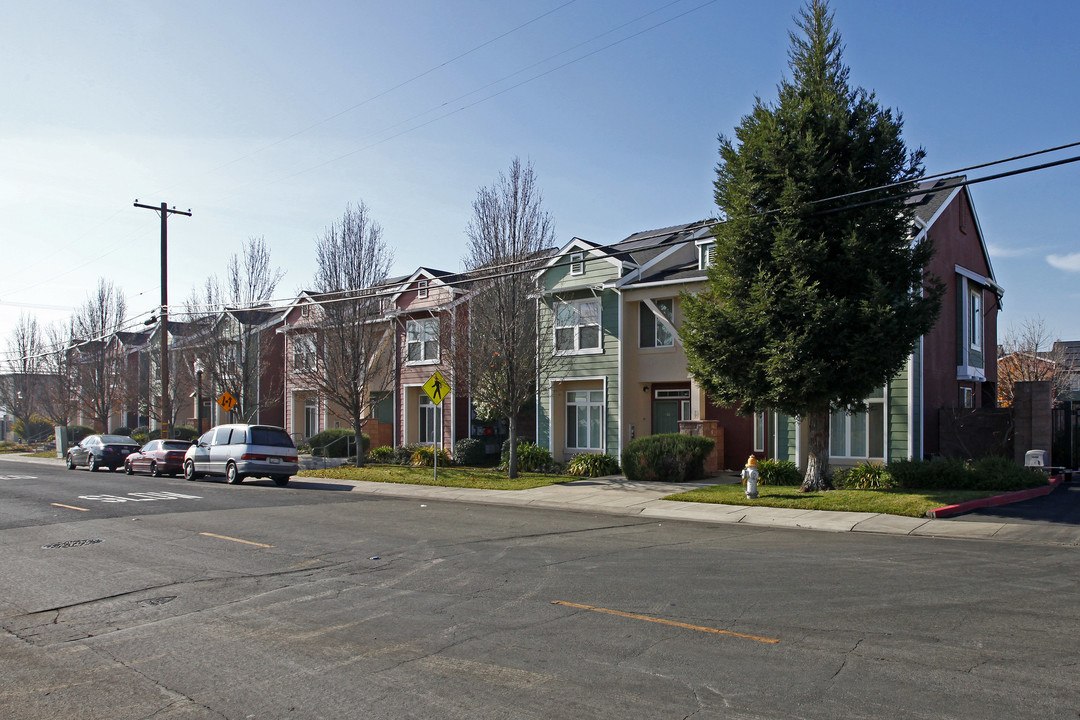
246 542
673 623
71 507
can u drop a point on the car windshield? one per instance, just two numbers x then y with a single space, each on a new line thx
175 445
274 437
117 440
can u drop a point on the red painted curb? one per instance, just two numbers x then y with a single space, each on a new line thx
961 508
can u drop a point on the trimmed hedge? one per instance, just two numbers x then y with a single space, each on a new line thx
328 443
987 474
668 458
469 451
779 472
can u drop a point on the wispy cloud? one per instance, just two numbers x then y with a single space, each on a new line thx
1006 251
1068 263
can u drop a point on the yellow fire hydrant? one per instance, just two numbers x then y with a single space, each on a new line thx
750 477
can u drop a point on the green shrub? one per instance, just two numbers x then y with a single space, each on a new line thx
403 453
588 465
670 458
122 430
779 472
530 458
328 443
383 454
184 432
34 429
864 476
985 474
141 434
424 456
469 451
76 433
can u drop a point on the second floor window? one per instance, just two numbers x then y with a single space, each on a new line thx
975 318
577 326
303 352
653 331
422 340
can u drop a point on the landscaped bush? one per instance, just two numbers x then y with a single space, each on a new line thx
32 430
670 457
76 433
424 456
141 434
184 432
778 472
328 443
469 451
864 476
13 447
587 465
122 430
530 458
987 474
403 453
382 454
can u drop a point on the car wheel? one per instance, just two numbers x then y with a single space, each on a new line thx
91 463
128 469
232 474
189 471
70 462
281 480
153 470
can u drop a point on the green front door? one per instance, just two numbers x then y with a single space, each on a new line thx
665 416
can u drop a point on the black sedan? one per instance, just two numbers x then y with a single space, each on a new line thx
98 451
158 457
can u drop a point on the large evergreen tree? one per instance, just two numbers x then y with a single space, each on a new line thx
811 305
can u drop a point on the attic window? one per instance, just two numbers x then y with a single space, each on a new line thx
421 289
577 264
707 255
305 310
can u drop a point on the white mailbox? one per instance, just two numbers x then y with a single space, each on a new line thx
1035 458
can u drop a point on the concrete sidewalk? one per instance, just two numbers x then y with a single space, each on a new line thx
616 495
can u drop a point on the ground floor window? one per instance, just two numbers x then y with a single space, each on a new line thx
860 434
430 421
584 419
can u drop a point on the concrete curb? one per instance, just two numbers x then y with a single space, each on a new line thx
1004 499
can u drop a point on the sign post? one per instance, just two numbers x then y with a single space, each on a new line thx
437 389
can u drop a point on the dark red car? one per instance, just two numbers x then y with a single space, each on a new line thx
158 457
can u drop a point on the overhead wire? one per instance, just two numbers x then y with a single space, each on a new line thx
518 267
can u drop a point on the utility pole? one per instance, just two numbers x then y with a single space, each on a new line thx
166 402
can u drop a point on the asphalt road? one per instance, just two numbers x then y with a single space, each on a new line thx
304 602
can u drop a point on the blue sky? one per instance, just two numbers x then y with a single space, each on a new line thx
267 118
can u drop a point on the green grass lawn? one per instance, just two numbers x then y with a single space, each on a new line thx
459 477
890 502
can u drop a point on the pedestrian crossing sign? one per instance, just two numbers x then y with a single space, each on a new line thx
437 388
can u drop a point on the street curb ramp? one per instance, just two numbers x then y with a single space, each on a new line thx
1005 499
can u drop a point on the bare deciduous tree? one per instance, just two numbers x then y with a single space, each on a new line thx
351 260
1022 358
61 378
233 309
21 388
508 235
98 371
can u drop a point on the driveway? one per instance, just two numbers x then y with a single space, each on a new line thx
1061 507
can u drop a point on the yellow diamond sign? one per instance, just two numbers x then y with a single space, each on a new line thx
227 401
437 388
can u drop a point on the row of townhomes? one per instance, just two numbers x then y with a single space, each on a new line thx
611 315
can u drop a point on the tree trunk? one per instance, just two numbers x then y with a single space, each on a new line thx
512 464
817 464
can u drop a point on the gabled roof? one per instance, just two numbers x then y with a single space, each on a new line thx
937 196
440 277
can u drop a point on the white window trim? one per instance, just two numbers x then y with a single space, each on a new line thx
422 289
424 405
975 318
438 345
847 431
662 320
577 349
602 405
304 347
706 255
577 263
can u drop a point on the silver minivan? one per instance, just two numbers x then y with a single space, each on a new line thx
240 451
